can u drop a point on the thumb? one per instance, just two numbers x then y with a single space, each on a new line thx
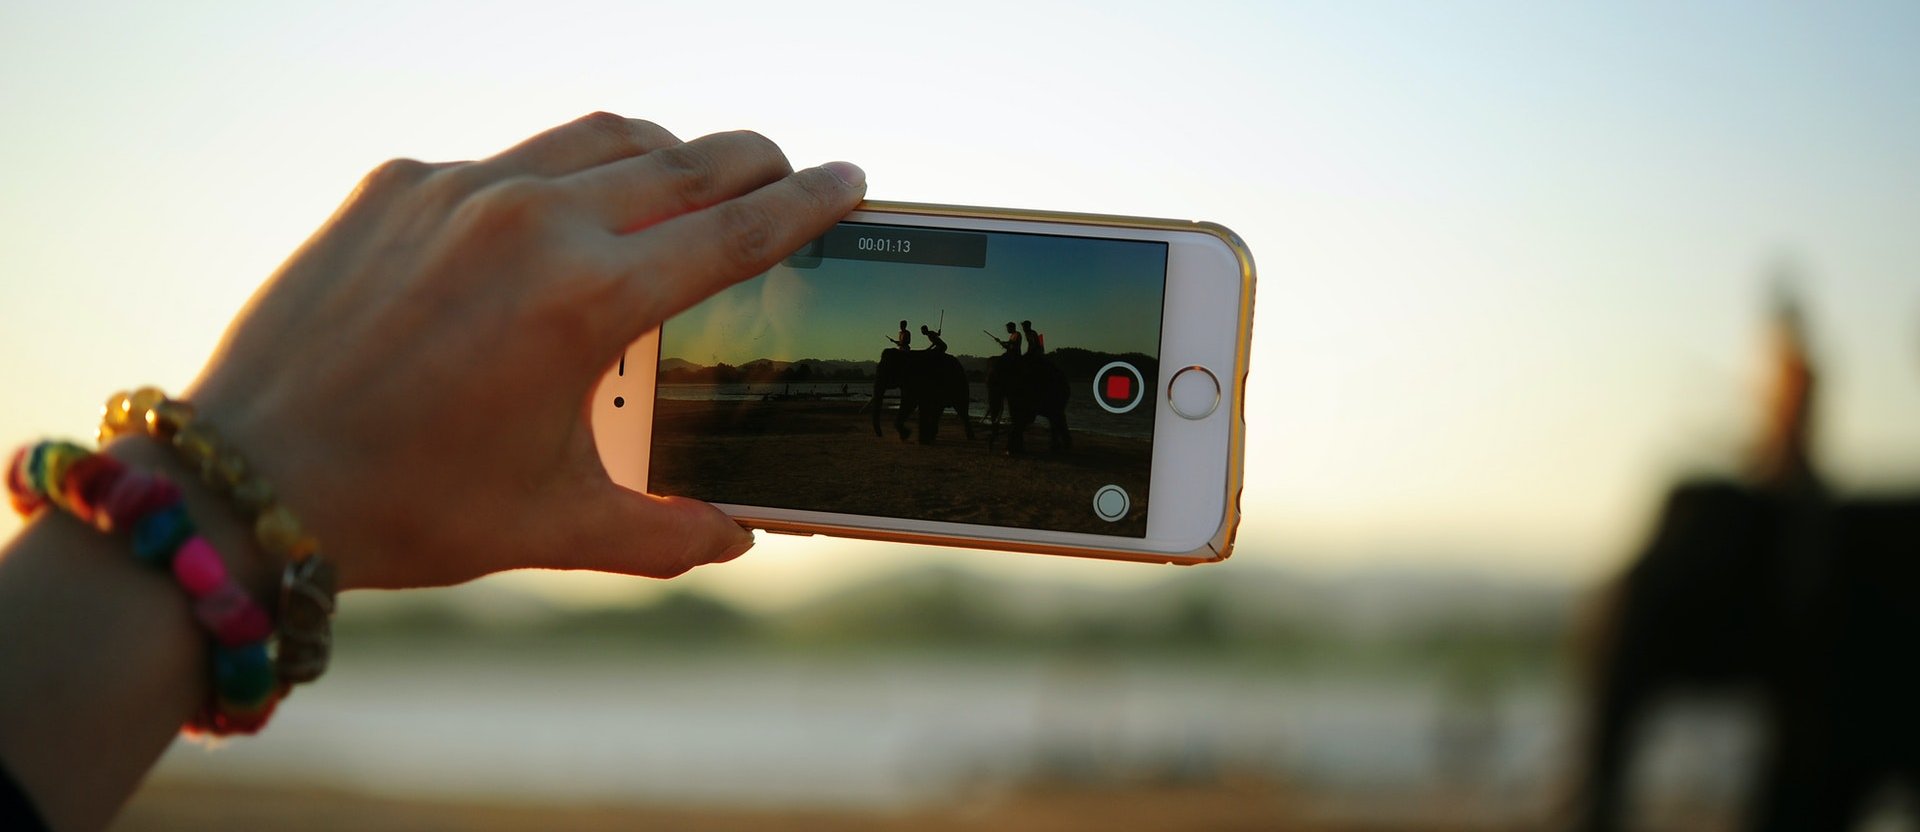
659 537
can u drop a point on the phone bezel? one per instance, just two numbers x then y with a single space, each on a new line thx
1206 321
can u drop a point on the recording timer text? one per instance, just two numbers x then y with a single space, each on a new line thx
885 244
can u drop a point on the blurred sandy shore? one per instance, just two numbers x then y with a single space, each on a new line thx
187 805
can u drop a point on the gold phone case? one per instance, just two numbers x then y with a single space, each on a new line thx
1216 549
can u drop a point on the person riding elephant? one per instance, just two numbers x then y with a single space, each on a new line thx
1011 345
1036 341
929 382
1030 386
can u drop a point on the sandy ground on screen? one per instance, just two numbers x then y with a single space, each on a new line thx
822 455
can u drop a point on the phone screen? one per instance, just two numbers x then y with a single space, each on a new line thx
1011 378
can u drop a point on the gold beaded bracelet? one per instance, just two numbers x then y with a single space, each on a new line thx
304 634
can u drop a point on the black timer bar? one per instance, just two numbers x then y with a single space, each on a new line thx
895 244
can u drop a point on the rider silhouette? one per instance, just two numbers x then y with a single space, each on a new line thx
1011 344
1036 342
934 342
905 340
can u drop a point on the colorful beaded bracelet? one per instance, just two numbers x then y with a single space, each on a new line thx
307 585
103 492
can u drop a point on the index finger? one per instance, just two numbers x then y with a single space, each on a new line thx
680 262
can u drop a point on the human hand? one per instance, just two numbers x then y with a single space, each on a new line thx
414 380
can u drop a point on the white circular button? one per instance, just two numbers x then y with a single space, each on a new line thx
1111 502
1194 393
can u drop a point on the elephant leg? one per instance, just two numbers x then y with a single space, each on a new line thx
1061 439
907 405
966 419
1017 432
1600 803
878 403
1631 669
994 406
930 422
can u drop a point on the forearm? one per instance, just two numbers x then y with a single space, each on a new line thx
103 659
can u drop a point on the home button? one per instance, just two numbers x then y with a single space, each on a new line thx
1194 393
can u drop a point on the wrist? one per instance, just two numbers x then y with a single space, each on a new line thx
302 473
213 517
273 557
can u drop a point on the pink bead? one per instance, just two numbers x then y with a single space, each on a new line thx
231 616
117 507
134 495
198 568
247 626
224 602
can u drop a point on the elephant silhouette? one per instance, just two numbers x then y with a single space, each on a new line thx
1030 386
1777 587
929 382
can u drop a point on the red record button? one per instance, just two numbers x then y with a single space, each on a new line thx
1119 387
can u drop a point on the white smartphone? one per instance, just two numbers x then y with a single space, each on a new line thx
1067 384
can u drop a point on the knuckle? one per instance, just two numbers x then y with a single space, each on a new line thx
746 233
762 147
518 203
603 119
393 175
461 180
692 170
633 136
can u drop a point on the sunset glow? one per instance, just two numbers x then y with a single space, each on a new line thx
1512 260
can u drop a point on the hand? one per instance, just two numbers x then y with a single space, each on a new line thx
414 380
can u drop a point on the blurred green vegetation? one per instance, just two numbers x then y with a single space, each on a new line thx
1467 625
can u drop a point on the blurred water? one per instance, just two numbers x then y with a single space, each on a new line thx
862 731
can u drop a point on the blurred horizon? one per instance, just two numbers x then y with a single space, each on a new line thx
976 687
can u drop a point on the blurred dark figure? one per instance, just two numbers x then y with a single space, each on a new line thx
1772 586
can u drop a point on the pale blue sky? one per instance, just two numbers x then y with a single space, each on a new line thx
1510 253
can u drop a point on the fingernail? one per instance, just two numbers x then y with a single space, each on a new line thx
847 172
738 549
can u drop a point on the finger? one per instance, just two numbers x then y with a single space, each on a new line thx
660 537
636 192
585 142
681 261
